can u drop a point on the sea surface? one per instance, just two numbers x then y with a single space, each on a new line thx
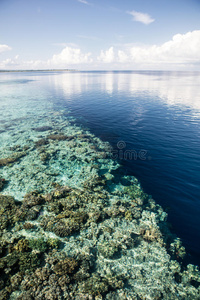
151 119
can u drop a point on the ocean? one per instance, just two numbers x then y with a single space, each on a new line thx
125 128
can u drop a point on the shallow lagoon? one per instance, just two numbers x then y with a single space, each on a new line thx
80 205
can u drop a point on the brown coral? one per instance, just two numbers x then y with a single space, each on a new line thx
8 209
41 142
58 137
43 128
2 182
8 160
31 207
66 266
151 233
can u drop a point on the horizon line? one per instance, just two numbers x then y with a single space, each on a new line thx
77 70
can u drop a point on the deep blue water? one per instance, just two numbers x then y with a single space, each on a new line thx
153 115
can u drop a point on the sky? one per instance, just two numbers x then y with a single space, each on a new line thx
100 34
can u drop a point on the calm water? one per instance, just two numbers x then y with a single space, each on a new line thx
152 120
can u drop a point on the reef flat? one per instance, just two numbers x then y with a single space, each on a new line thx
74 227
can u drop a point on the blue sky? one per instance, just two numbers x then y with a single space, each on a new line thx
91 34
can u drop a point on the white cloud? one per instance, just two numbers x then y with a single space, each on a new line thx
141 17
107 56
84 2
183 48
69 56
4 48
10 63
122 57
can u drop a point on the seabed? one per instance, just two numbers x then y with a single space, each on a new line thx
74 227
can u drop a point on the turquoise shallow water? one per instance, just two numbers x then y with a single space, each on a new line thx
73 129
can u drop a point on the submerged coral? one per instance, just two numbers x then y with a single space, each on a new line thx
103 254
8 209
8 160
79 232
30 208
43 128
41 142
58 137
2 182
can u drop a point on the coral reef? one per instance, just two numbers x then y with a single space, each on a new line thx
2 182
43 128
9 160
30 208
104 253
58 137
41 142
8 209
81 230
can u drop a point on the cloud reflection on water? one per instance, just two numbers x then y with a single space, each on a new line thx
174 88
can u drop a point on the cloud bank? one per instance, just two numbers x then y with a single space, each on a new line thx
69 57
141 17
182 51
